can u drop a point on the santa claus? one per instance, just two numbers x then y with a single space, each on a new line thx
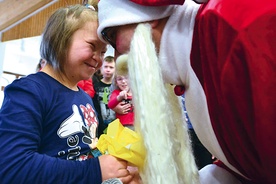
222 54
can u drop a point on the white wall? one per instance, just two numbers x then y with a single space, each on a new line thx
18 56
2 53
22 56
110 51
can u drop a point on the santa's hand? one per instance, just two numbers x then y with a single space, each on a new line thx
136 177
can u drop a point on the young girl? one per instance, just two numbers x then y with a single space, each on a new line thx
47 123
122 94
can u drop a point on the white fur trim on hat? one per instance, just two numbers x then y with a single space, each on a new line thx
121 12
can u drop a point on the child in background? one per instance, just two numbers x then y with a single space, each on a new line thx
87 86
103 90
122 94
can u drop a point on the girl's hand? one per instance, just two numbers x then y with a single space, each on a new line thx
112 167
122 95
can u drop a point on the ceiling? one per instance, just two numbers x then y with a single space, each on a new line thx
28 18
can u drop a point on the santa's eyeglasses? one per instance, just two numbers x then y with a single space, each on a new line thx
109 36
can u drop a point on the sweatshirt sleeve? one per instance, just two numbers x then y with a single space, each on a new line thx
20 138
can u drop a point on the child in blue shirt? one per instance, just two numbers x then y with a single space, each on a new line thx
48 124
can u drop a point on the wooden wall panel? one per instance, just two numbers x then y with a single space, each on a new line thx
13 11
34 25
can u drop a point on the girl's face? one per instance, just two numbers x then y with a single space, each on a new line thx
122 82
85 54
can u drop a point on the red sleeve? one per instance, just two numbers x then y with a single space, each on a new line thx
158 2
113 102
236 65
87 86
251 89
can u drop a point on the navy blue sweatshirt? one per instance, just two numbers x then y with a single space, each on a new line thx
46 133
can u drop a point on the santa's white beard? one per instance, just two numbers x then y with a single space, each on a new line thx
159 117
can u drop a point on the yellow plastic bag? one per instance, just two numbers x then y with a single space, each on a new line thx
123 143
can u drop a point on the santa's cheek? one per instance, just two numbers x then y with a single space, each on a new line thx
122 45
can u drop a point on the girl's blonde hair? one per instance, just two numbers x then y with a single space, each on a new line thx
60 27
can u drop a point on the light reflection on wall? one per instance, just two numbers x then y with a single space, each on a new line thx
18 57
22 56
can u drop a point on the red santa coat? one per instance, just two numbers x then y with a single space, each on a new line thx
233 55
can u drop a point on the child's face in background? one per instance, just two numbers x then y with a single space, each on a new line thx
108 69
122 82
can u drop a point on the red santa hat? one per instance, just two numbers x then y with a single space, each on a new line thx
122 12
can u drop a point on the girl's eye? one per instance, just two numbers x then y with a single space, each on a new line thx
92 45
